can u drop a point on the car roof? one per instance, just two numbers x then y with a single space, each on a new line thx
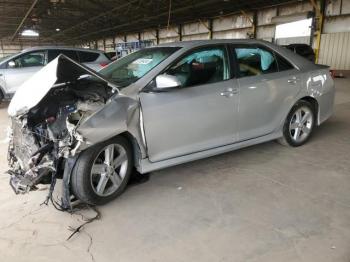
298 61
298 45
194 43
61 48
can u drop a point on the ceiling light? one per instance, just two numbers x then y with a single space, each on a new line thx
57 29
30 32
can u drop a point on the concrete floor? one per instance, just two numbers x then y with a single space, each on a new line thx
263 203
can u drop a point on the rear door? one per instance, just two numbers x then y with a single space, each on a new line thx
268 85
25 66
199 115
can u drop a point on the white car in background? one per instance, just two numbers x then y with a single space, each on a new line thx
16 69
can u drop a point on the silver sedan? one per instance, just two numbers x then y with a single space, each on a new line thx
159 107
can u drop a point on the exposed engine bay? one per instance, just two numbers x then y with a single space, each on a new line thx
46 136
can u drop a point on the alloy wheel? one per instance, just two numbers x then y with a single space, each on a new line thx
300 125
109 170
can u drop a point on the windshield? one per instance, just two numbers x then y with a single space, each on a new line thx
131 68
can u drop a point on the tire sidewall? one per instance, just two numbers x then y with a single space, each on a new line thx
286 133
81 175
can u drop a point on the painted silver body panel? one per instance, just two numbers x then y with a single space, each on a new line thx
264 100
189 120
147 166
182 125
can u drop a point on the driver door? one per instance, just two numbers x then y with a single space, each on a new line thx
199 115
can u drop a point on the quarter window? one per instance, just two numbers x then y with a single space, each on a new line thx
30 59
254 61
283 64
203 66
86 57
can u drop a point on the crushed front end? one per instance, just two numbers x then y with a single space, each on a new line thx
45 142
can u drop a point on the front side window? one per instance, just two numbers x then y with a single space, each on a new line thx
203 66
30 59
130 68
254 61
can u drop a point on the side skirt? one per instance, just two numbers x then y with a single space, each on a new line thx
146 166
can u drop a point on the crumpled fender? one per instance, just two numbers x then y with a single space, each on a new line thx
120 114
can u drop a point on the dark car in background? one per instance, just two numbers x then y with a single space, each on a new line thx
304 50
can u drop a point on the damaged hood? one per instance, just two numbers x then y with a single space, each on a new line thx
59 71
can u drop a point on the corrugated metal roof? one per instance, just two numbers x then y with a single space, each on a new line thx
93 19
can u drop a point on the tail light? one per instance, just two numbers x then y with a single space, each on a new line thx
103 64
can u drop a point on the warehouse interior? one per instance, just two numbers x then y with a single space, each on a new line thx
261 203
101 25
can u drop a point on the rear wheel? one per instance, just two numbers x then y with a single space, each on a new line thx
102 171
299 124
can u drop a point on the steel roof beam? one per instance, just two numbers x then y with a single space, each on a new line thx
24 19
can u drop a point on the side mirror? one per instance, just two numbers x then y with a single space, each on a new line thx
11 64
165 81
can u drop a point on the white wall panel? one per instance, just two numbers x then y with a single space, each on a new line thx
100 45
335 51
204 36
232 22
266 32
336 24
168 40
132 37
172 31
109 44
293 40
333 7
295 8
119 38
148 35
231 34
195 28
264 16
345 7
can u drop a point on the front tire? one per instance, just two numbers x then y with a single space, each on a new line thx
102 171
299 124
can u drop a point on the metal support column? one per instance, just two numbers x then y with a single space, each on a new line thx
319 24
180 32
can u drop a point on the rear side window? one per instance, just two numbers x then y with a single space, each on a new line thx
86 57
283 64
254 61
69 53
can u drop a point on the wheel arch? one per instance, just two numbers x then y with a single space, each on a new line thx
136 150
313 101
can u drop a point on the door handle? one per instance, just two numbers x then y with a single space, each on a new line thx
229 92
226 94
292 80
